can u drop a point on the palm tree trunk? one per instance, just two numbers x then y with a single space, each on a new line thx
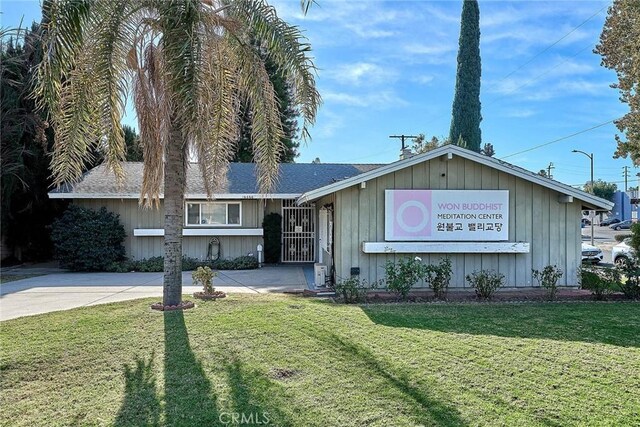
174 187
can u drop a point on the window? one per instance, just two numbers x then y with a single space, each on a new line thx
213 213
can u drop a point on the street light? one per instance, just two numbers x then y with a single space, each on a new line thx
590 156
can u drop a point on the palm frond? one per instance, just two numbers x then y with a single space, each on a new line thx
62 28
76 120
266 130
153 116
82 80
115 32
180 25
288 49
219 107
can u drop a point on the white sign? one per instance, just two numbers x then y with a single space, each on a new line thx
446 215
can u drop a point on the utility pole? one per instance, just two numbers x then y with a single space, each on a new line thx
405 152
402 138
625 174
591 213
549 168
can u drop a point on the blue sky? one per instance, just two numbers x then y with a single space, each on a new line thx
389 68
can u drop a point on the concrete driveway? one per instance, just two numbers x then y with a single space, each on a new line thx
62 291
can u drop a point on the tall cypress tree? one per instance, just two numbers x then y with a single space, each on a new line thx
466 116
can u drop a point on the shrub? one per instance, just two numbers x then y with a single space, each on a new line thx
156 264
240 263
630 285
485 282
438 277
600 281
402 275
88 240
151 265
245 263
272 226
223 264
548 278
125 266
203 276
353 290
635 237
620 237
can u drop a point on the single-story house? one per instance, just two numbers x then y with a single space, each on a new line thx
481 212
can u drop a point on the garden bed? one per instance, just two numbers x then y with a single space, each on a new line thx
209 296
503 295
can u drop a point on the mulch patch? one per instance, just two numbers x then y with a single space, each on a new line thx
182 306
515 296
212 296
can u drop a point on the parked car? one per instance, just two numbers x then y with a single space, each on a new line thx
609 221
585 222
622 252
622 225
591 253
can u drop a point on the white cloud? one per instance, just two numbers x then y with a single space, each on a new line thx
540 77
429 49
360 73
367 20
378 100
520 113
424 79
328 124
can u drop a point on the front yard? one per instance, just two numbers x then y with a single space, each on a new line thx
293 361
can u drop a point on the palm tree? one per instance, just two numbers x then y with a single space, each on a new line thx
188 65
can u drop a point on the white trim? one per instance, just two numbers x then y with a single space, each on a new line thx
243 196
451 149
146 232
445 247
204 202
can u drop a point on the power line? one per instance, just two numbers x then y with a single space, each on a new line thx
491 101
536 78
558 139
553 44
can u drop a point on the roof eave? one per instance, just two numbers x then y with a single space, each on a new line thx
193 196
591 200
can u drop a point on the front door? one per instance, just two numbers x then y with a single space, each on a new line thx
298 232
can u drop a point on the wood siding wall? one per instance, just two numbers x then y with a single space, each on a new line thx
535 216
133 216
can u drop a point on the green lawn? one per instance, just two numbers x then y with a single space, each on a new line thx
308 362
5 278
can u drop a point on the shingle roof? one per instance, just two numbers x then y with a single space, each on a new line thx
294 179
591 201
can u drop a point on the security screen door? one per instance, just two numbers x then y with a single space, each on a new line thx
298 232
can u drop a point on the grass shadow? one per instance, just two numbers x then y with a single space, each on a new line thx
608 323
427 410
253 396
188 396
141 404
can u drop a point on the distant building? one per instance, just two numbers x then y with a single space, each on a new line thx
626 205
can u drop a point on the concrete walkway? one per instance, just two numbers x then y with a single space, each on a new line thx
62 291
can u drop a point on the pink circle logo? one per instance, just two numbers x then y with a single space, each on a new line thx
412 212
